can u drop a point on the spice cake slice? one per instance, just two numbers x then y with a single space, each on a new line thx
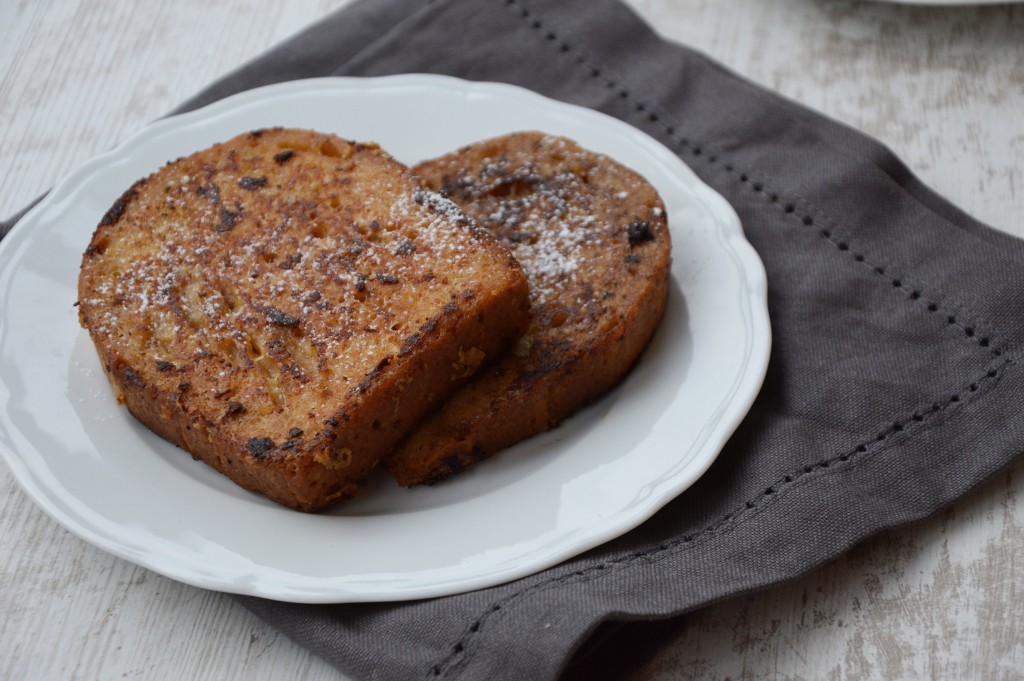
287 305
593 239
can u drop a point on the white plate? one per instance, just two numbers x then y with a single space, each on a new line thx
88 464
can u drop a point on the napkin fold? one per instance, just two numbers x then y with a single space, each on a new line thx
894 385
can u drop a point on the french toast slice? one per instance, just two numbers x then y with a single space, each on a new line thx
286 305
593 239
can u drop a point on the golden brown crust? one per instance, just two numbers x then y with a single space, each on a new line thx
593 240
287 305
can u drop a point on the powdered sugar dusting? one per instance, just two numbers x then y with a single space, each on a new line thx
229 268
565 213
542 219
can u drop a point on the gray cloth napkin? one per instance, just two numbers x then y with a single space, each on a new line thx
893 386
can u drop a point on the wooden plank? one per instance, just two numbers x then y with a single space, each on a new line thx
80 77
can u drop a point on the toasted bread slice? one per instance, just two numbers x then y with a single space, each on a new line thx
593 239
287 305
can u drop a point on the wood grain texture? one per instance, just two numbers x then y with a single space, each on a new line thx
944 87
78 78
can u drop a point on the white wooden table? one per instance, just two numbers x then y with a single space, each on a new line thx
943 86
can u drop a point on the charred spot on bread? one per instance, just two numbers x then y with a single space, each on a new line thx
228 218
279 317
133 376
638 232
209 191
260 447
249 182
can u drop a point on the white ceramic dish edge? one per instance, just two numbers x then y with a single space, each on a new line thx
743 392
